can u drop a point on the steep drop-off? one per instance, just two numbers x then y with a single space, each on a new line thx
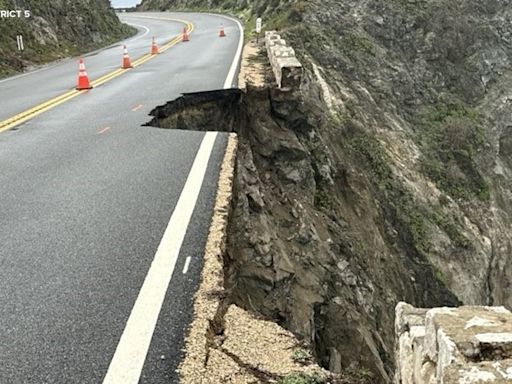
386 178
56 29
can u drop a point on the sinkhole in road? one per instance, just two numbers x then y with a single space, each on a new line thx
217 110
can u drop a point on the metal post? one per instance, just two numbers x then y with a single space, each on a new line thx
19 42
258 29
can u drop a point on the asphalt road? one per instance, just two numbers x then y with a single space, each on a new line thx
86 194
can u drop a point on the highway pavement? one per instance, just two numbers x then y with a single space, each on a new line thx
103 221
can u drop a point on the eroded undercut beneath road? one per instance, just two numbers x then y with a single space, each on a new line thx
297 238
266 121
275 194
297 248
217 110
386 178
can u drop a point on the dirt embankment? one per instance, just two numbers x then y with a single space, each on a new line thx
386 178
288 252
227 344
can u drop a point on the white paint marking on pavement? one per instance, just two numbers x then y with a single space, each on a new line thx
128 361
236 60
187 264
140 26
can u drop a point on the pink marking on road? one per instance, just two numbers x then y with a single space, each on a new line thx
137 107
103 130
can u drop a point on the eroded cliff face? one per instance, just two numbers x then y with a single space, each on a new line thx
386 178
56 29
428 80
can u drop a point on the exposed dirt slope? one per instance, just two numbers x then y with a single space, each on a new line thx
386 178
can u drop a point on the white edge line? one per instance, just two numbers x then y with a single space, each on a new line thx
128 361
187 264
140 26
236 60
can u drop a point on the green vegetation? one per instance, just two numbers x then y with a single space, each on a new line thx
412 216
302 356
408 213
416 221
88 25
452 135
372 150
301 378
447 224
323 199
365 376
249 26
278 20
353 42
355 45
446 279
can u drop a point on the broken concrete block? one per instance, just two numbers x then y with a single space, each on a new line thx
287 69
456 346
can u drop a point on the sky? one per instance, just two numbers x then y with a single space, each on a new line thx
124 3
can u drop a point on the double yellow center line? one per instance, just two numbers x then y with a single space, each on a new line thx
52 103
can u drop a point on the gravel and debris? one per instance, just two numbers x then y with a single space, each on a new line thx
192 369
253 351
226 344
253 68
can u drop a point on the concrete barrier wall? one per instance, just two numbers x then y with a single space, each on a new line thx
453 345
287 69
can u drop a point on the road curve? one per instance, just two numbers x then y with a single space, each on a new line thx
87 194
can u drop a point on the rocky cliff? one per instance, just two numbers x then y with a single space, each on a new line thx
387 177
56 29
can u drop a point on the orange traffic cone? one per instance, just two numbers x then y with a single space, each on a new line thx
185 35
83 79
154 47
126 59
221 31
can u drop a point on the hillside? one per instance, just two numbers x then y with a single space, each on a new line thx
56 29
386 178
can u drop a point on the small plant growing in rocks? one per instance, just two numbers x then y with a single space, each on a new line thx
302 356
302 378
